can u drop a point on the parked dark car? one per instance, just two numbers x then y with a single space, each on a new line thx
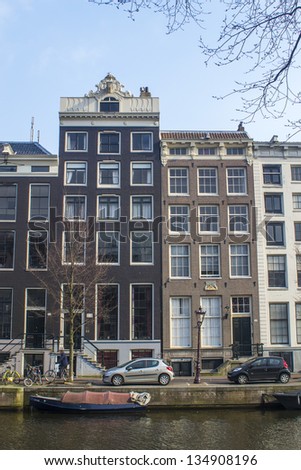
262 369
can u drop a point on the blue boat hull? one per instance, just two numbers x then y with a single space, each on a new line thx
56 405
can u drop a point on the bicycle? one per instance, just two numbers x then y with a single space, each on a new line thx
11 376
34 376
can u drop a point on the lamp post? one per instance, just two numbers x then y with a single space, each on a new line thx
200 314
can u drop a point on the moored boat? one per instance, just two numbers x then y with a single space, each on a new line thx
290 400
89 401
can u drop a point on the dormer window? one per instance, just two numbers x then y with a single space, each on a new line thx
109 105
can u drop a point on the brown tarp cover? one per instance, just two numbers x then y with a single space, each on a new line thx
97 398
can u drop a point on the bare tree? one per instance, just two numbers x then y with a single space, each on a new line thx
178 12
71 279
263 35
267 35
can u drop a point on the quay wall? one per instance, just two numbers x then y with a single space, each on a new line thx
193 396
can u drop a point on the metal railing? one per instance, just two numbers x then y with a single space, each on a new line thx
242 350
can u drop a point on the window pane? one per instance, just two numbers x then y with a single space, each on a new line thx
109 142
75 207
238 219
5 313
108 247
76 173
142 309
39 201
180 321
7 249
236 180
272 174
178 181
142 247
211 329
279 323
8 201
142 173
107 308
179 261
209 219
142 207
108 207
210 264
207 181
76 141
142 141
109 174
239 260
277 270
179 219
37 249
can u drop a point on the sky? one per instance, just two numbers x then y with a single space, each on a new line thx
55 48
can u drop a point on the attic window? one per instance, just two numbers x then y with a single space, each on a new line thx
109 105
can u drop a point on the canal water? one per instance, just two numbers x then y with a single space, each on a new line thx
223 429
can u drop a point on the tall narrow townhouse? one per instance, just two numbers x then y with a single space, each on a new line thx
110 173
209 247
27 173
277 173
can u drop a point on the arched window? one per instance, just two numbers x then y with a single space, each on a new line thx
109 105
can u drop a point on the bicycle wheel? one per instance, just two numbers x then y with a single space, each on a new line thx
5 377
16 377
28 382
49 376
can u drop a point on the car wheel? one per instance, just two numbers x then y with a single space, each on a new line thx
117 380
242 379
164 379
284 378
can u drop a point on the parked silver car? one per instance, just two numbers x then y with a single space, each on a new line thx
145 370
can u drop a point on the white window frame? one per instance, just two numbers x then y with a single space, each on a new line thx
64 257
209 257
240 177
210 177
170 216
108 163
139 263
238 206
85 207
67 149
37 217
151 183
118 207
150 149
239 256
111 235
100 133
16 203
151 207
180 322
29 232
132 286
217 215
188 276
75 162
186 177
211 330
2 268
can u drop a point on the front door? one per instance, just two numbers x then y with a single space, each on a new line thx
242 335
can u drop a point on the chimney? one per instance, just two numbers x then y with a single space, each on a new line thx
144 92
241 127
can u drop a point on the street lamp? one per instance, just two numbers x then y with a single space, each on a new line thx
200 314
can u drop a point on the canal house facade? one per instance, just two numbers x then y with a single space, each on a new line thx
277 175
208 247
110 174
28 178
